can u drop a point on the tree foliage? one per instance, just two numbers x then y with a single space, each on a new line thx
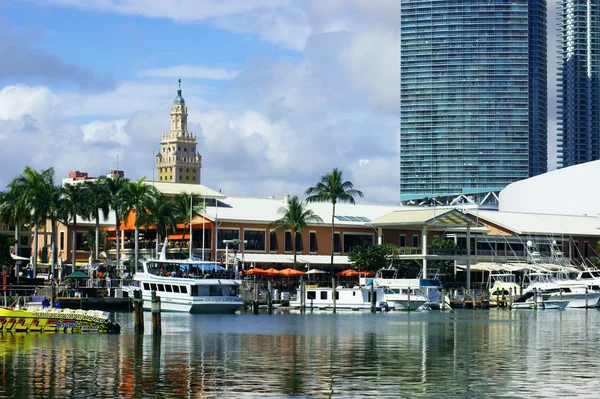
372 257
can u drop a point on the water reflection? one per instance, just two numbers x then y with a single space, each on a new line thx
430 354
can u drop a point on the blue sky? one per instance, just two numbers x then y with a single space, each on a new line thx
279 92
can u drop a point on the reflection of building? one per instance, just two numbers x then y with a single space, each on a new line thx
473 96
178 161
578 88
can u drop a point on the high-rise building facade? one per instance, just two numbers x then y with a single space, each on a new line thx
473 111
578 82
178 160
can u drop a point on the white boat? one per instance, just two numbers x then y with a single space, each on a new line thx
591 278
356 298
404 298
430 288
578 295
185 286
535 300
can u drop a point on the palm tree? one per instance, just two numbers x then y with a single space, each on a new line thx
73 200
36 190
98 202
116 187
332 188
136 195
160 213
187 207
13 212
294 217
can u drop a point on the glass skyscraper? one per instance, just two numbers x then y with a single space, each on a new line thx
473 112
578 82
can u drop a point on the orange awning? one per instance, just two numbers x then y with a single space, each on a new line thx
290 272
197 223
176 237
256 272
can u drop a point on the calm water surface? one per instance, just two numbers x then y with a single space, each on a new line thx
457 354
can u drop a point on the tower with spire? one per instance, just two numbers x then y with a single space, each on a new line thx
178 160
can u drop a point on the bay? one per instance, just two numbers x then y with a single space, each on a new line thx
453 354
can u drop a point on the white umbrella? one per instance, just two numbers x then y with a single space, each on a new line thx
315 271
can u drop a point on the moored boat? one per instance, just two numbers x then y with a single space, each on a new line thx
52 320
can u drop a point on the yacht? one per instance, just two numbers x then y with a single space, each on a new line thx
502 285
429 288
577 293
591 278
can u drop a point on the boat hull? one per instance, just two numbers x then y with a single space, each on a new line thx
57 321
197 305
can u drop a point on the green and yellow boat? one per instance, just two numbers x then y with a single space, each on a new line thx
51 320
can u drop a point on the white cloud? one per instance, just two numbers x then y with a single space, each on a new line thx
20 100
189 71
106 131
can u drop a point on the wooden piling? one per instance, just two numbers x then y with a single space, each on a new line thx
443 299
138 308
408 306
256 298
302 296
270 297
510 297
373 301
155 307
586 296
497 298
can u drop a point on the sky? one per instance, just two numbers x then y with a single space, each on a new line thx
279 92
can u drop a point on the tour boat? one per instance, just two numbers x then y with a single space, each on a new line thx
576 292
191 286
57 321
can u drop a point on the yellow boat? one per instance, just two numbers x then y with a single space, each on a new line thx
57 321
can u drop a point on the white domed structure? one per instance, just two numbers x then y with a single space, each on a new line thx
568 191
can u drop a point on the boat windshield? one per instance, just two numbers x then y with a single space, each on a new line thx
504 278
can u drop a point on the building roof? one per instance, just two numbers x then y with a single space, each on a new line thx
178 188
265 210
433 218
541 224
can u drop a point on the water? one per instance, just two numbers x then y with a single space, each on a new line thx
458 354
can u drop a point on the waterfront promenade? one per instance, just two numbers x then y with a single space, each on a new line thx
455 354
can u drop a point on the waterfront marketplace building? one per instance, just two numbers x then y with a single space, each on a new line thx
498 240
473 110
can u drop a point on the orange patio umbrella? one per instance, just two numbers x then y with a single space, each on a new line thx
272 272
256 272
347 273
289 272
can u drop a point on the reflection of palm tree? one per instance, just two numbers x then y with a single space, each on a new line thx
187 207
97 202
294 217
73 203
136 196
160 213
332 188
36 191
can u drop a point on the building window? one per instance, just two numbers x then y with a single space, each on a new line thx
586 249
161 178
576 253
187 177
336 242
353 241
187 169
185 149
402 240
287 241
193 177
180 177
313 241
193 170
62 241
255 240
273 247
227 234
299 245
181 169
415 239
